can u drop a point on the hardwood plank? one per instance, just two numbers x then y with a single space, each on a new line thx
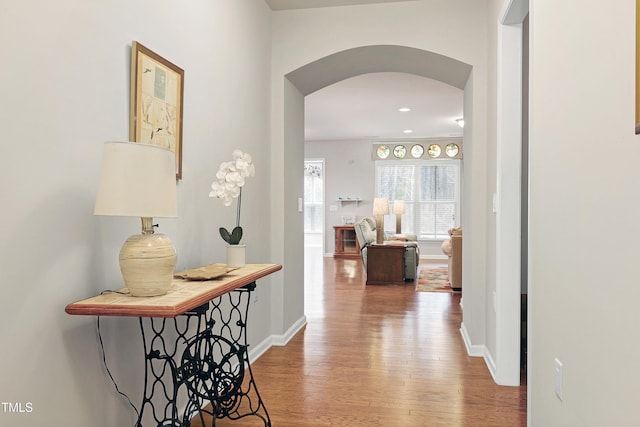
378 356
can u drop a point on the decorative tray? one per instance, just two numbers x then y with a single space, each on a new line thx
207 272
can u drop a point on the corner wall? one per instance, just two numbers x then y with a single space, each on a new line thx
64 91
584 204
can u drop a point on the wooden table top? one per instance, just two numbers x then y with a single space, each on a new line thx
183 296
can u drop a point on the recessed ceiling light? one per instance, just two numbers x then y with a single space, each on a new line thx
404 109
407 131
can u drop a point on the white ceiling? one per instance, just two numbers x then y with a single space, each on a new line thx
366 106
308 4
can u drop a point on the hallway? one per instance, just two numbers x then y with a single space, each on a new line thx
378 356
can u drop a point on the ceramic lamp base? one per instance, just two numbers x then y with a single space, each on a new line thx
236 256
147 263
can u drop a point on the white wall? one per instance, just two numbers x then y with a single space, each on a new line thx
349 172
64 88
584 204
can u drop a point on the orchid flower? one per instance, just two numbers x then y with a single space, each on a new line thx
230 180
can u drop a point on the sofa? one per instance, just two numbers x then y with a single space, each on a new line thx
366 234
452 248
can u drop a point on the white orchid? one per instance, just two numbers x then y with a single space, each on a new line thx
231 178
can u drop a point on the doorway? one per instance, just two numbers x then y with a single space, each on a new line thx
314 204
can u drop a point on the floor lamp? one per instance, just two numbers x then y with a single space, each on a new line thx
380 209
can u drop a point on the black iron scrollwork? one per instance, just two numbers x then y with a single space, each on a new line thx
197 364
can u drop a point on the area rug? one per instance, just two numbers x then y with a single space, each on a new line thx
433 279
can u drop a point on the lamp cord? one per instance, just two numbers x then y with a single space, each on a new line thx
104 361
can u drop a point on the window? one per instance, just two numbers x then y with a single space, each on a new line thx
430 190
313 196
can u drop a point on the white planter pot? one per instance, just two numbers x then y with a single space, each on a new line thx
235 256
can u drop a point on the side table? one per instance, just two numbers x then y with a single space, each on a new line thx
346 242
385 264
195 347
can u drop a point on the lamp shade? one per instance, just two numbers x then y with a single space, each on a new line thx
398 207
137 180
380 206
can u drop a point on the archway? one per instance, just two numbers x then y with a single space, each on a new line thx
288 297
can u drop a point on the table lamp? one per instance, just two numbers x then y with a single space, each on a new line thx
380 209
398 210
140 180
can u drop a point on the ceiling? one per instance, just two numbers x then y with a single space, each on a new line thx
308 4
366 106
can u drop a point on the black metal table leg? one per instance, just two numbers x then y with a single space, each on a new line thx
200 358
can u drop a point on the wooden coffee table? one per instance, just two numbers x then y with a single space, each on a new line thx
385 264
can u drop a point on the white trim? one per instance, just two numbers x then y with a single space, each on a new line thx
435 257
479 351
491 365
282 340
472 350
508 212
276 340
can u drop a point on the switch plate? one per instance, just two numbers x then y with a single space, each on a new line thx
558 378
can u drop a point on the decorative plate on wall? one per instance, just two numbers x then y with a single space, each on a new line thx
382 152
399 151
434 150
452 149
417 151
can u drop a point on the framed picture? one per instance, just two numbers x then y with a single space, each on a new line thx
157 88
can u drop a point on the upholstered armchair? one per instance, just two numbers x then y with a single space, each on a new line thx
366 234
452 248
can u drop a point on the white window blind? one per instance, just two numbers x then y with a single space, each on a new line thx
430 190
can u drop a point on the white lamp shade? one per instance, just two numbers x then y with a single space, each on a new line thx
398 207
137 180
380 206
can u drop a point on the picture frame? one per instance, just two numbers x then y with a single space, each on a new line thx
157 90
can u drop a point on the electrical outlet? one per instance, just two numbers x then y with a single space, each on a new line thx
558 366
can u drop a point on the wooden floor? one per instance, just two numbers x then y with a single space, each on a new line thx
378 356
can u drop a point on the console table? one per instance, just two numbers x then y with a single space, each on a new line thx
195 347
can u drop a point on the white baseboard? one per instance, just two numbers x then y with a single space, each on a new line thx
278 340
435 257
472 350
479 351
282 340
488 360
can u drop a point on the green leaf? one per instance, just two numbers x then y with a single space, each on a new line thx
236 236
232 238
224 233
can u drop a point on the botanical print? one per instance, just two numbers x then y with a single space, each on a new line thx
159 95
156 102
